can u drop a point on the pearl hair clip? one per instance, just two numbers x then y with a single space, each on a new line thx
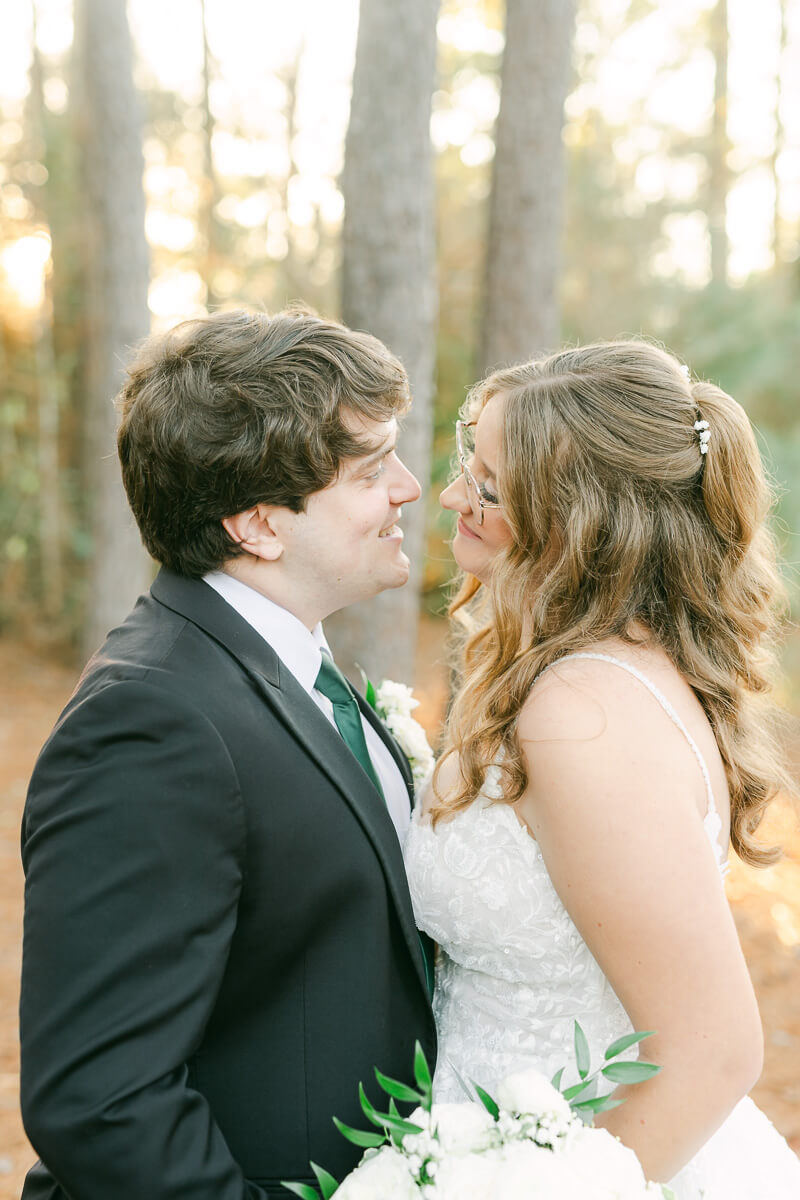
703 434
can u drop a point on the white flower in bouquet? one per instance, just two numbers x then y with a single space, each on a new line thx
527 1171
463 1128
530 1092
596 1155
383 1172
465 1177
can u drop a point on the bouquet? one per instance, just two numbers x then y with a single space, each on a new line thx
530 1142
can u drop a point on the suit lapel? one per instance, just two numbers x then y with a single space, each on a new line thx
391 745
315 735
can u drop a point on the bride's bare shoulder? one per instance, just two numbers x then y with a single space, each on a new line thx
570 699
580 698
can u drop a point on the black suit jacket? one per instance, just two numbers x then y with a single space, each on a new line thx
219 942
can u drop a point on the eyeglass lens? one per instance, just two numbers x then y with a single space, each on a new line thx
466 448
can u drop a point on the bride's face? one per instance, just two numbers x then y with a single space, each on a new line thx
476 544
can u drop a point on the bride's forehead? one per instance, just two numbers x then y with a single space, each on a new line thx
488 423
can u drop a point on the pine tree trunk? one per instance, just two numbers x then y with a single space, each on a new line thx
523 259
719 174
209 188
388 281
51 500
780 137
118 315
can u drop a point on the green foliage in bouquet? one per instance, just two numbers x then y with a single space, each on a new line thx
394 1127
616 1072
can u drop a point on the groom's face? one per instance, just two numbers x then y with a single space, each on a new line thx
348 544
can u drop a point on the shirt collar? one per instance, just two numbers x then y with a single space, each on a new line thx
298 648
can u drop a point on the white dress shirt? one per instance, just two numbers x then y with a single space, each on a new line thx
300 651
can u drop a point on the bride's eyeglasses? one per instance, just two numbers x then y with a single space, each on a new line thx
480 498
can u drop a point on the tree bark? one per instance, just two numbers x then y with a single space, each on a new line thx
780 137
210 189
118 273
521 318
51 501
293 285
718 171
389 283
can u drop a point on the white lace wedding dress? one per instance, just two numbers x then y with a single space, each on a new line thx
514 974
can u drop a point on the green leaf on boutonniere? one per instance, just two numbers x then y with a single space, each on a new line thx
369 689
327 1183
556 1080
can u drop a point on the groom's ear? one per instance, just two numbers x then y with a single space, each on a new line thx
254 530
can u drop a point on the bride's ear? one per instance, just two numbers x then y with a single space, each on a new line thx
254 531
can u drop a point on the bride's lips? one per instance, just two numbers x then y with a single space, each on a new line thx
465 531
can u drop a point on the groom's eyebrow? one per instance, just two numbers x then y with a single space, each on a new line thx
381 452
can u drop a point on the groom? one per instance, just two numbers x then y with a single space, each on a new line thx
219 941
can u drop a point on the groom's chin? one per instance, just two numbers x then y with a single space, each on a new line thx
403 570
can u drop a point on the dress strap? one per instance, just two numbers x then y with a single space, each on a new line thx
712 822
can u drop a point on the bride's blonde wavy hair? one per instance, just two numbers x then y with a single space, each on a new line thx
617 518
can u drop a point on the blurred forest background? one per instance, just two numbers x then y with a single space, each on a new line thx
475 182
161 160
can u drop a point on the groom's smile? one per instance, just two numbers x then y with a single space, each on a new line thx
347 544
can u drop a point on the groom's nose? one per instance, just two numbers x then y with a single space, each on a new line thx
405 487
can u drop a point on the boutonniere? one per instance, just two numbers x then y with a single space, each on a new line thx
394 704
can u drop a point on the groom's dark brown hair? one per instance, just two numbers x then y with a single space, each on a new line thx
239 408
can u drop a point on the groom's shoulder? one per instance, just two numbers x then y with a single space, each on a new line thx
157 651
151 641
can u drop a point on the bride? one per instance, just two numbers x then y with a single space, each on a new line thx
609 740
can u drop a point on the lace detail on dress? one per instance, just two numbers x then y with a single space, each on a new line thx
513 974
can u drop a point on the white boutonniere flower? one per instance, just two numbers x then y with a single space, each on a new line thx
394 704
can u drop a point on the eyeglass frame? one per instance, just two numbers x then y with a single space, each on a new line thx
473 487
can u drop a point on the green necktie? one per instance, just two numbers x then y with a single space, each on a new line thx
346 713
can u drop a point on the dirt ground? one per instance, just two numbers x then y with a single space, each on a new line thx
766 903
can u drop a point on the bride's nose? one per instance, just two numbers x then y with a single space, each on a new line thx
454 497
